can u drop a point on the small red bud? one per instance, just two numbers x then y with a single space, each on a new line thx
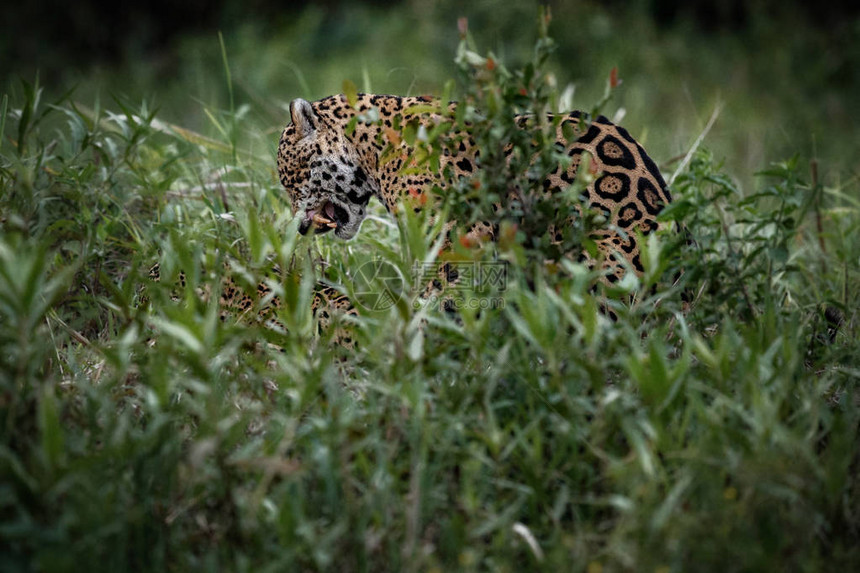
463 26
613 78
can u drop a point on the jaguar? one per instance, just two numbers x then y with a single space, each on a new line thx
335 155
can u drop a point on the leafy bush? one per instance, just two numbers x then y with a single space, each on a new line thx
711 426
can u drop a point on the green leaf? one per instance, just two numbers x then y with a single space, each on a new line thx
4 105
181 333
49 426
415 349
351 92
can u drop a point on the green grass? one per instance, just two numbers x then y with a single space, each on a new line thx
140 431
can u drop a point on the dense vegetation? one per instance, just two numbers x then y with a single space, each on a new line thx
712 425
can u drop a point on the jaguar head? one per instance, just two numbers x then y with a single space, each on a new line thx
322 171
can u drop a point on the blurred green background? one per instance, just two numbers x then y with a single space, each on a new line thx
787 73
720 439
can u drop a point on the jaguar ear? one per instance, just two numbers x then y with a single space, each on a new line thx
303 116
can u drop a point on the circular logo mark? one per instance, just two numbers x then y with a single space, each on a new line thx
378 285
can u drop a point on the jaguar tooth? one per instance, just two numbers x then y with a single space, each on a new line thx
320 220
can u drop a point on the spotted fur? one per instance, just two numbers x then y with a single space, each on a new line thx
236 303
334 157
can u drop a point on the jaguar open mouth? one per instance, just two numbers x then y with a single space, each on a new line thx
324 218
